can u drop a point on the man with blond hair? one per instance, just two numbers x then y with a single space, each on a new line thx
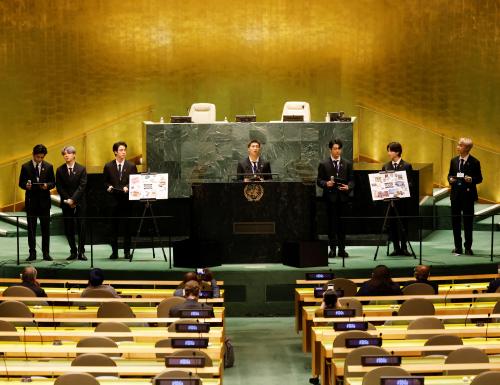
71 182
464 175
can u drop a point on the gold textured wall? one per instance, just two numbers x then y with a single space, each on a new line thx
68 66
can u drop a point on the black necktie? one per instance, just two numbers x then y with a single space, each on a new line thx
120 171
461 166
336 166
70 171
37 171
395 166
254 167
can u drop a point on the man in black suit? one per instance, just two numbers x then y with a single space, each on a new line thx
398 233
464 175
253 167
116 179
71 181
335 177
37 178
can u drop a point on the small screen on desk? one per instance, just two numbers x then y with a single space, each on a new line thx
192 328
402 380
381 360
198 313
357 342
344 326
318 276
206 294
186 362
339 313
179 381
189 343
319 291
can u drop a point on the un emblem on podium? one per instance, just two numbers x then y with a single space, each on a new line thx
253 192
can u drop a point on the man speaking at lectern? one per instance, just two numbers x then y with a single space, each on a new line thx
335 177
253 167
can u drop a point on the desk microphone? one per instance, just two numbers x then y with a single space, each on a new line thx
39 332
53 314
24 343
5 365
467 315
487 323
67 294
446 295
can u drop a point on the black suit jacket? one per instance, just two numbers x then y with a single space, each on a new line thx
471 168
326 170
402 166
245 167
37 197
112 177
72 186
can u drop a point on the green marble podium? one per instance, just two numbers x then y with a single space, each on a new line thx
203 153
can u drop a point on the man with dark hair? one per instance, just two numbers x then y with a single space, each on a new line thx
28 279
116 179
253 167
191 293
71 181
397 233
37 178
421 274
96 279
335 177
464 175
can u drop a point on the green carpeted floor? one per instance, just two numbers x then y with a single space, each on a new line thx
268 351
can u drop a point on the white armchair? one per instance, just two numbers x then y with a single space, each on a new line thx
202 113
297 109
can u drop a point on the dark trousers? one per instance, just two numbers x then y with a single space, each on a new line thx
120 225
44 215
398 229
461 207
336 226
74 222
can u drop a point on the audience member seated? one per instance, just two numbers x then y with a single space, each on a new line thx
493 286
191 293
206 281
380 284
28 278
421 274
330 301
96 278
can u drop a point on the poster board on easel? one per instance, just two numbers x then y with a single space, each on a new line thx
148 186
389 185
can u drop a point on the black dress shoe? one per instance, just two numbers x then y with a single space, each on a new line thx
469 252
47 257
82 257
71 257
113 256
331 254
457 251
314 380
343 254
127 255
32 257
395 253
406 253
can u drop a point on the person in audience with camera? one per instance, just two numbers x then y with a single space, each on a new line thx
192 294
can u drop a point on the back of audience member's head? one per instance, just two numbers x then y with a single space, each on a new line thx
330 299
29 274
381 275
96 277
190 276
192 289
422 272
207 275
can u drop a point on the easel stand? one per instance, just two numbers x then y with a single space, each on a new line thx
400 224
148 208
